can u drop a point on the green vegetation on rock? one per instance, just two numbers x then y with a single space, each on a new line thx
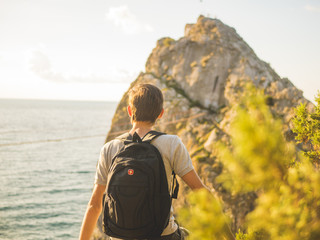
259 159
307 127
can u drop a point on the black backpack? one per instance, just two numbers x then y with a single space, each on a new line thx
137 203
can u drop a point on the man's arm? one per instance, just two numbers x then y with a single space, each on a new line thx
93 212
193 181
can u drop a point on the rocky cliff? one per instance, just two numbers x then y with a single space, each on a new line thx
200 76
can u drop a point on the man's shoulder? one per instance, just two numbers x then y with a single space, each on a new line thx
167 139
113 143
168 136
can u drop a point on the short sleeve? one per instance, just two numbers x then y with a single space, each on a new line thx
101 171
182 163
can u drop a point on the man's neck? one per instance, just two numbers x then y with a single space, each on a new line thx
141 128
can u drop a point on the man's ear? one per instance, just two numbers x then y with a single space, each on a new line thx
161 114
129 111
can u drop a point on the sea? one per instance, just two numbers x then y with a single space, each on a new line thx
48 155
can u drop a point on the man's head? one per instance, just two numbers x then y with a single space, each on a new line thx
145 103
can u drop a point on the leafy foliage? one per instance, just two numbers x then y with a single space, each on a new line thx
258 156
204 217
259 159
307 127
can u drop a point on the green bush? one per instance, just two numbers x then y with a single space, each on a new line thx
203 217
259 159
307 129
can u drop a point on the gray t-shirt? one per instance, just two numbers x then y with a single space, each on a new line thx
174 154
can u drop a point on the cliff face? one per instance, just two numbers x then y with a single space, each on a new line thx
200 76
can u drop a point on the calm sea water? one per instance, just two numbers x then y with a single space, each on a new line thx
48 154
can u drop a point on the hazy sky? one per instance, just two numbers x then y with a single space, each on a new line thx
92 50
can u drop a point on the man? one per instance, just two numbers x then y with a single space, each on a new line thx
145 107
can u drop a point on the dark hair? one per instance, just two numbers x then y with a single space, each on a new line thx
146 102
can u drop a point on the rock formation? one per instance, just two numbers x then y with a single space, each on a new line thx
200 75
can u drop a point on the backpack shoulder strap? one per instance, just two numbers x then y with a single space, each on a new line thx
174 182
151 135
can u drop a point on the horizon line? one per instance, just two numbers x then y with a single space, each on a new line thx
54 99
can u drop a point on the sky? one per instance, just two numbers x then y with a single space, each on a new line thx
93 50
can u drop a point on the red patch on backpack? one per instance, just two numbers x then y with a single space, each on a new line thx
130 172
